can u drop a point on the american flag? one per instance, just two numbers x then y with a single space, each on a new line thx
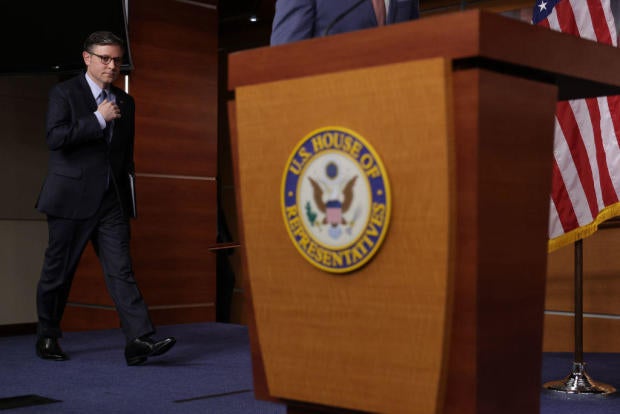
586 168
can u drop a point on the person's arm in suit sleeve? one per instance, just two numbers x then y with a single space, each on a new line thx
294 20
62 129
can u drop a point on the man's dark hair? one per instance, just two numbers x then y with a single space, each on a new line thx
102 38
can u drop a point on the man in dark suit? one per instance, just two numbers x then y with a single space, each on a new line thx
303 19
86 196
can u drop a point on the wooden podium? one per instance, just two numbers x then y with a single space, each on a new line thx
447 317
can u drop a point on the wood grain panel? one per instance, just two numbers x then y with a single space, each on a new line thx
601 289
463 357
24 152
171 240
499 294
78 318
513 184
261 388
369 321
471 33
601 275
446 6
176 316
503 204
174 45
599 334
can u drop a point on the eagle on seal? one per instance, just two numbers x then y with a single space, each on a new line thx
333 207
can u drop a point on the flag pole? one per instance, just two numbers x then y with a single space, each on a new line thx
578 381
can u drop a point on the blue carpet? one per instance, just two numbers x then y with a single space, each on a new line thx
601 367
208 371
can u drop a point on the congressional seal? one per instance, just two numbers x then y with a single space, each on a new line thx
335 199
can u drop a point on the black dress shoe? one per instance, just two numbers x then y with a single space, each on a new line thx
48 348
138 350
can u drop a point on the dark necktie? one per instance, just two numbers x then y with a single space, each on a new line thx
379 6
102 97
108 127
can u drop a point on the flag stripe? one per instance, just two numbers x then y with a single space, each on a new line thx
606 187
598 15
561 200
569 177
610 151
555 225
611 24
612 144
566 18
578 151
583 19
586 167
591 136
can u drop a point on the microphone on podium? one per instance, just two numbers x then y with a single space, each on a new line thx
342 16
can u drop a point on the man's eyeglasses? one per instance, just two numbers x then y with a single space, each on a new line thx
107 59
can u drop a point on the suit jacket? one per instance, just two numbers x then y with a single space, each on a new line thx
81 160
303 19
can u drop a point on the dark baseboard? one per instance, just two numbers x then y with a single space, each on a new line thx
18 329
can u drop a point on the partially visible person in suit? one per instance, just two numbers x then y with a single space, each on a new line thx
304 19
86 196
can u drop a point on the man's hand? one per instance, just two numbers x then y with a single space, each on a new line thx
109 110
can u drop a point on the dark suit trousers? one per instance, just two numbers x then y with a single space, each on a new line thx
108 230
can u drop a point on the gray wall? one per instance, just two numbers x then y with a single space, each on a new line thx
23 160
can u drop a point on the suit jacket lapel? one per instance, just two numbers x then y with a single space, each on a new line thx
89 99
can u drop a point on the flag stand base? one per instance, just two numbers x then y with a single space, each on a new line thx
579 382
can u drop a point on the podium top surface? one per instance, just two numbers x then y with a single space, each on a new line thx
470 39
